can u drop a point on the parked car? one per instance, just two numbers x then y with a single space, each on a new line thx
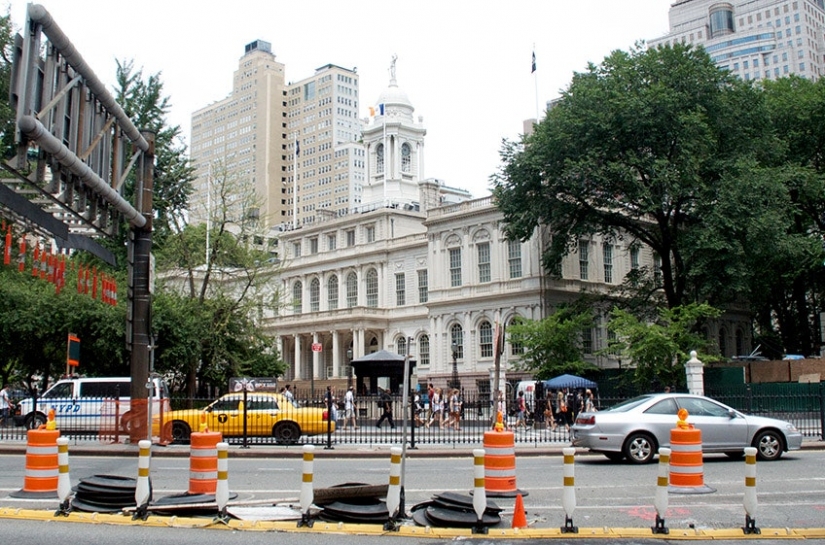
638 427
267 414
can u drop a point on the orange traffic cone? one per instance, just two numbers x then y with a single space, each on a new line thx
519 515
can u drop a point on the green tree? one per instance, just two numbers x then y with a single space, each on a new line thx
226 281
660 348
634 149
552 346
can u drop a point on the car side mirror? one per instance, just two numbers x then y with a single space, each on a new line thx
732 413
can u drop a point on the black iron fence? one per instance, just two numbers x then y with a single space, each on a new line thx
804 407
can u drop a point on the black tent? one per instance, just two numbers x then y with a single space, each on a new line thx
376 365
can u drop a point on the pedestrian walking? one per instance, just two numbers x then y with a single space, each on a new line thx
521 408
454 409
437 405
385 402
349 409
6 405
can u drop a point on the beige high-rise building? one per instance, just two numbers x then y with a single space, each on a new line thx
323 120
250 138
243 137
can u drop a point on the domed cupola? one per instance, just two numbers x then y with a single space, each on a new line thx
394 99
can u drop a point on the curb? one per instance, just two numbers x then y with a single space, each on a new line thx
321 527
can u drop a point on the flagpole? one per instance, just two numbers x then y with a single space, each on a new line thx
295 153
536 82
208 209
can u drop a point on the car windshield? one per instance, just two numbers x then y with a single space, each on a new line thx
628 405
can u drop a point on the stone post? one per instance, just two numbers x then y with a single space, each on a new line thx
694 369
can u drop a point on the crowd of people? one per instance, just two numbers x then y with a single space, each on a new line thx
559 408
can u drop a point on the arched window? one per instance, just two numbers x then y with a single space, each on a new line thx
401 346
332 292
424 350
515 348
315 295
379 159
485 337
723 342
297 297
457 340
406 158
352 290
372 288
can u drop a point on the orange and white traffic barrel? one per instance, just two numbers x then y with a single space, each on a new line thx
42 467
203 462
500 464
686 469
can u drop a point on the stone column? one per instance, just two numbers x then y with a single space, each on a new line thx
336 355
316 359
694 369
299 374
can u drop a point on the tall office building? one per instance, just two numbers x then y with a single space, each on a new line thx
242 138
754 39
327 162
279 137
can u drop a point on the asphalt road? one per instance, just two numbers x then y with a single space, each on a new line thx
791 492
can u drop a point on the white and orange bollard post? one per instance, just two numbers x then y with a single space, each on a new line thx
64 483
307 495
394 488
568 499
750 492
143 488
479 493
222 487
660 500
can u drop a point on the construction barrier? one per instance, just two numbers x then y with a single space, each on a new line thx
222 490
143 488
479 493
500 464
203 462
42 467
394 487
660 500
686 469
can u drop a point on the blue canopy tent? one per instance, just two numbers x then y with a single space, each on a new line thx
568 381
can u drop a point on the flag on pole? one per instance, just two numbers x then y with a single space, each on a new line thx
297 147
534 62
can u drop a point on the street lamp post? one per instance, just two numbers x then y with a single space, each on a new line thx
349 368
455 383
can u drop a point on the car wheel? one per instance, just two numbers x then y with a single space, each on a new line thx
735 454
769 445
614 456
286 432
180 432
640 448
34 421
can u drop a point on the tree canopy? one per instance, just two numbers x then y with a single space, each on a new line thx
719 177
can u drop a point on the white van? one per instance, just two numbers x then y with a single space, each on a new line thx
86 404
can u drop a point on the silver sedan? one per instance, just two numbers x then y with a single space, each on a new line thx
638 427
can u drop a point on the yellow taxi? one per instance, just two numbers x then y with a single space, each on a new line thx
265 414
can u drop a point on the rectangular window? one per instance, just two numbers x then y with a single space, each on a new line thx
455 267
332 240
400 289
514 258
587 341
608 263
370 233
423 289
583 259
350 238
313 245
634 258
483 262
485 334
424 351
296 249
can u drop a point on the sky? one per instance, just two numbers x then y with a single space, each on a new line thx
465 65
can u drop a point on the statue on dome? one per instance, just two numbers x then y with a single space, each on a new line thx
392 67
